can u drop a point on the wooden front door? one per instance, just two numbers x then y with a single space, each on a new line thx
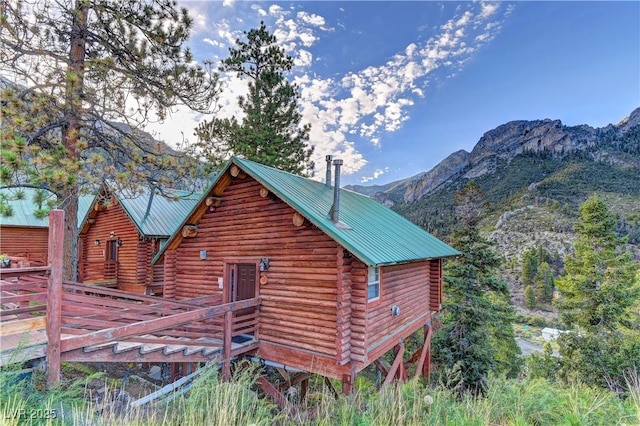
111 259
244 285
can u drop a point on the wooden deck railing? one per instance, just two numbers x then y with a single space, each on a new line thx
23 297
23 291
94 320
80 315
98 270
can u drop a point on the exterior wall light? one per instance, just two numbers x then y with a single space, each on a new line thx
264 264
96 242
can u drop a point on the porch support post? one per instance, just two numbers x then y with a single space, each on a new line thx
54 295
347 383
226 362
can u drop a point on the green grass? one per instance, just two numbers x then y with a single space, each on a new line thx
212 401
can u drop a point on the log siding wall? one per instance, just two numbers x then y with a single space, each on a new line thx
358 277
113 219
25 242
343 322
406 286
300 297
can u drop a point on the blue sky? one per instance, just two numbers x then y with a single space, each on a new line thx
393 88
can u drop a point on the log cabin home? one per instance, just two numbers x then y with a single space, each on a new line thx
122 232
341 278
24 235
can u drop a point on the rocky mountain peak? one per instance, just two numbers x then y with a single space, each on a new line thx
630 121
426 183
505 142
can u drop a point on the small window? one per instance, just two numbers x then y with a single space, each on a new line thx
373 285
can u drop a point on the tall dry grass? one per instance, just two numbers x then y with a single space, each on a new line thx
211 401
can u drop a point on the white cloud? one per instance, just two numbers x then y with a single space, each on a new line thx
365 103
275 10
259 10
311 19
376 174
488 9
214 43
303 59
228 3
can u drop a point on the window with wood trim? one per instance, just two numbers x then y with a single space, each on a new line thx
373 283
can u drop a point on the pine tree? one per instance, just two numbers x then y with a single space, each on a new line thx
270 131
529 267
544 283
79 81
477 331
597 286
529 297
598 291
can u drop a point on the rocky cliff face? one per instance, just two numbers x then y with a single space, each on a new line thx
502 143
426 183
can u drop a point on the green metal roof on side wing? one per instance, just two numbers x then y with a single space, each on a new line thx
376 234
164 215
23 208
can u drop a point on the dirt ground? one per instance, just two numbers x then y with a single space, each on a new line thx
131 378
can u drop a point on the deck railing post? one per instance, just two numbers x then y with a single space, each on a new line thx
54 295
226 339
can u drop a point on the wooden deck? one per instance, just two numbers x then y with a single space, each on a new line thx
107 325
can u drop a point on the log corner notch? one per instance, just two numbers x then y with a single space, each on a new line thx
190 231
213 201
237 172
298 219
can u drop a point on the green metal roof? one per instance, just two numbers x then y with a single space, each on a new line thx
23 209
376 234
164 215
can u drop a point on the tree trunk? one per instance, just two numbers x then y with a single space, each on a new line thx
71 132
70 247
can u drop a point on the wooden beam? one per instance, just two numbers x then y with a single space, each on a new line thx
271 390
284 373
235 171
425 362
54 295
189 231
394 367
22 325
213 201
383 366
301 359
332 389
19 311
347 383
402 371
18 272
298 219
304 390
